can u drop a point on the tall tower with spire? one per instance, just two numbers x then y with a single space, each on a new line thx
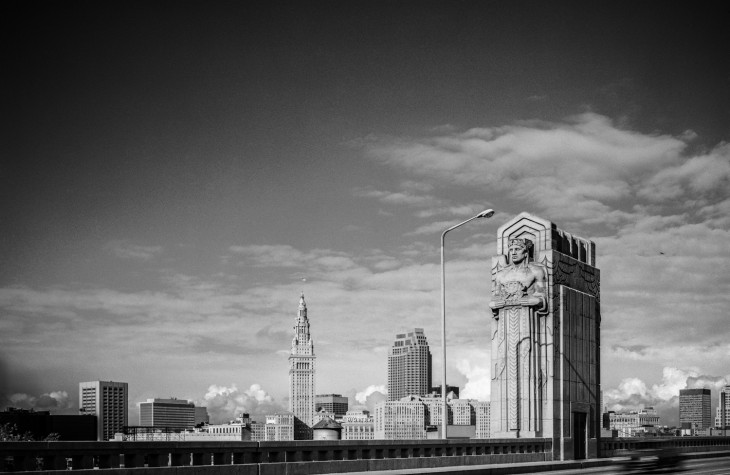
301 375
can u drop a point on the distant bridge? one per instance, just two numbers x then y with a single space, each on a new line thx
304 457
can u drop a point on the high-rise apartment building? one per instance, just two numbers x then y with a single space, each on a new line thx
409 366
108 400
336 404
174 414
695 408
722 419
301 376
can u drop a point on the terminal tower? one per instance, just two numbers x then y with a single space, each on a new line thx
301 376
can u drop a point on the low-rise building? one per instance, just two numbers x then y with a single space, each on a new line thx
482 415
634 423
327 429
280 426
462 418
399 420
358 425
335 404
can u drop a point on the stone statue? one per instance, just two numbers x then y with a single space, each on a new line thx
518 300
521 282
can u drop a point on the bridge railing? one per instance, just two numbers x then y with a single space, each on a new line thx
614 447
344 455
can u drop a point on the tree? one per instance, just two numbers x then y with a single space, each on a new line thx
9 433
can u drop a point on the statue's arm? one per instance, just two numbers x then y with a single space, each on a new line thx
496 303
538 298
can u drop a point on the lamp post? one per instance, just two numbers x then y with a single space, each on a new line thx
487 213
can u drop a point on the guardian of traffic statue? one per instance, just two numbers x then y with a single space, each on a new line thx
518 302
545 337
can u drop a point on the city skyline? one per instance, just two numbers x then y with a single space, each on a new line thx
175 177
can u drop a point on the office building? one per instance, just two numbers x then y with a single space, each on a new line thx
277 427
332 403
201 416
400 420
409 366
633 423
416 417
481 410
358 425
722 419
108 401
173 414
281 426
235 430
695 411
301 376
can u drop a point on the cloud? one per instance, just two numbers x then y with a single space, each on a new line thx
406 198
226 403
633 393
475 367
127 250
52 401
698 176
582 169
362 396
281 255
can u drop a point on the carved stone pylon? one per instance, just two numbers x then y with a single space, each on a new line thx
545 337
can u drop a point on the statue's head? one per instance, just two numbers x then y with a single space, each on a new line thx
519 250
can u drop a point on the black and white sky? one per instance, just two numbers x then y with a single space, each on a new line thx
174 174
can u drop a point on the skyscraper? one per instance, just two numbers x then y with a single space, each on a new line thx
409 366
694 408
108 400
301 376
722 419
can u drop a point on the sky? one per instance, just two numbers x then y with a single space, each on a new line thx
175 175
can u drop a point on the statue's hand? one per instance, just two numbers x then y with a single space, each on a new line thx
496 304
530 301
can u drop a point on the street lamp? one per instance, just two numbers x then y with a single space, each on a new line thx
487 213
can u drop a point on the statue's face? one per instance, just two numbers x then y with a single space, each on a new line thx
517 253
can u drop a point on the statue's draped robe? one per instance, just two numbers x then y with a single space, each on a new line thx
516 367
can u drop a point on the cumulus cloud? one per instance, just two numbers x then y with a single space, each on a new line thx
579 169
475 367
226 403
633 393
52 401
362 396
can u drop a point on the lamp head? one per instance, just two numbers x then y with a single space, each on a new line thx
487 213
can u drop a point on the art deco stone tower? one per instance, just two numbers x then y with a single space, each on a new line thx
545 332
409 366
301 376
